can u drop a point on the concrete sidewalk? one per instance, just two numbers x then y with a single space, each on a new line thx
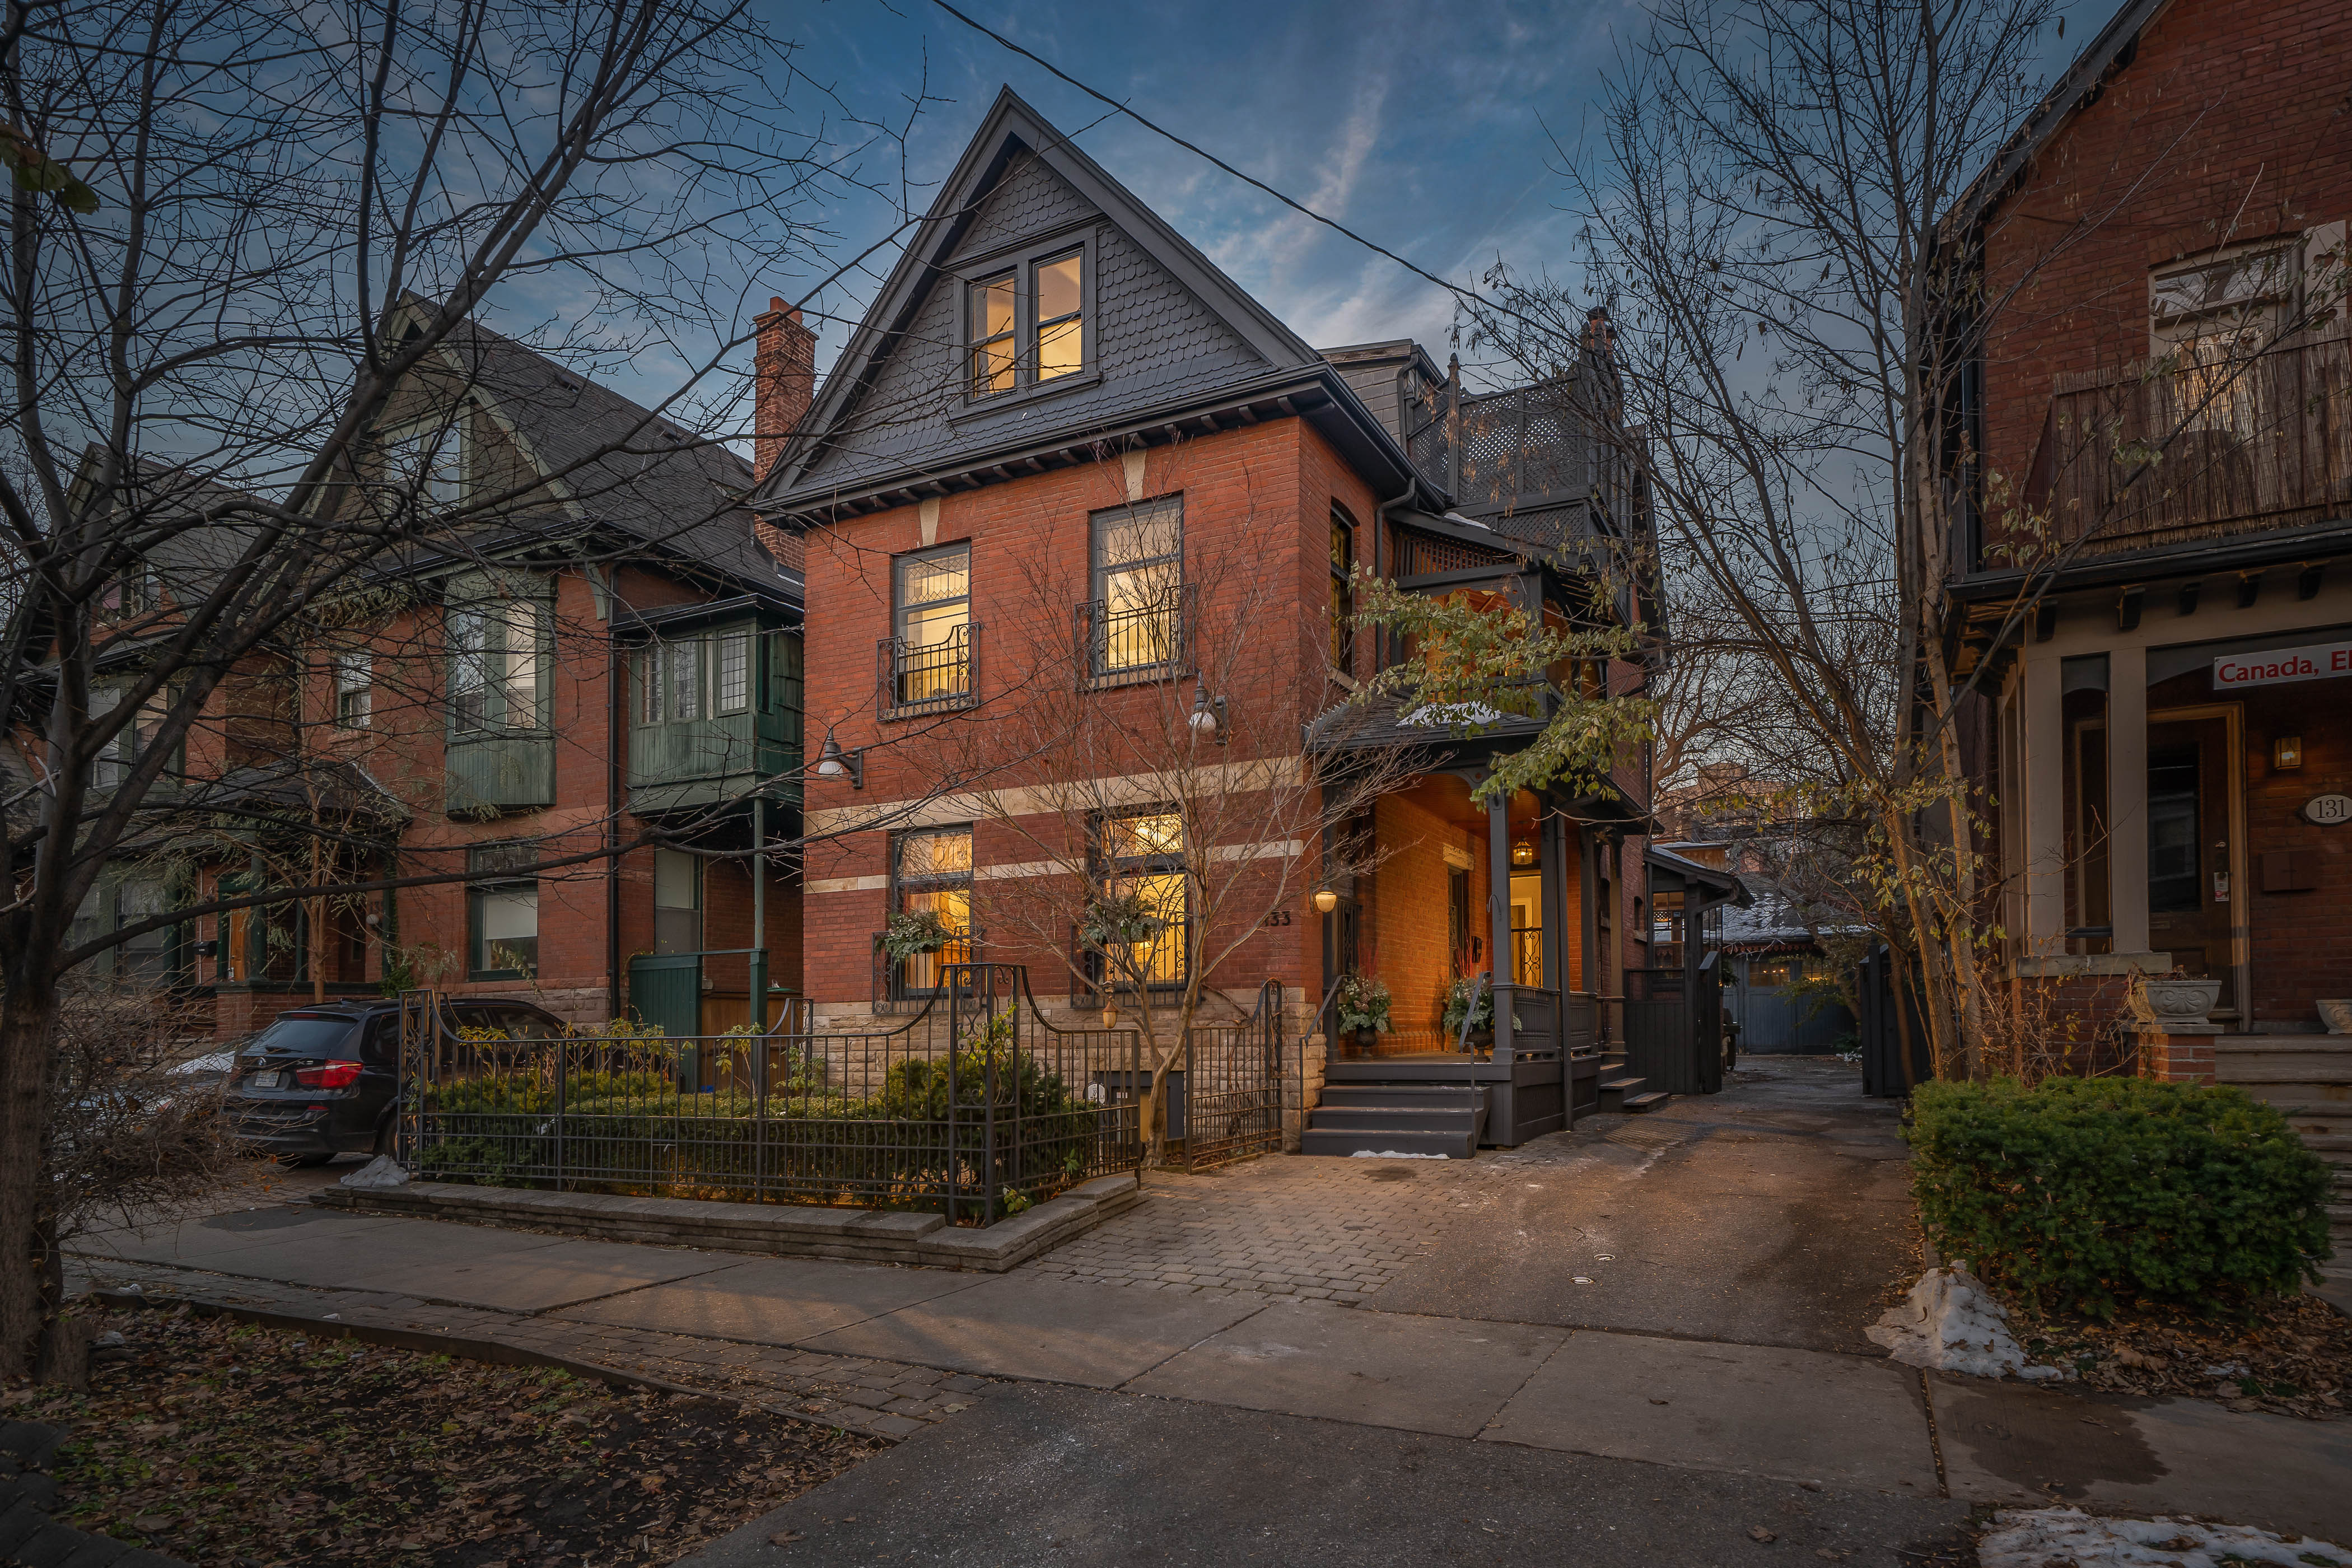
877 1348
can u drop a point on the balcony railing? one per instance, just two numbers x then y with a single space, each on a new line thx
1135 642
2158 455
929 677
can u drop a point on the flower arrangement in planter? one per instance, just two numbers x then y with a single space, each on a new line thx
911 931
1361 1005
1469 997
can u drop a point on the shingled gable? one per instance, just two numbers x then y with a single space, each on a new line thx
1175 339
614 465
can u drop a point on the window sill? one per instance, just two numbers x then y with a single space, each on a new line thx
498 974
1020 397
922 709
1138 675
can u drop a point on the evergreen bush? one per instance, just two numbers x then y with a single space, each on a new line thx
2083 1193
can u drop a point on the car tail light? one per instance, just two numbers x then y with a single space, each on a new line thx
334 1075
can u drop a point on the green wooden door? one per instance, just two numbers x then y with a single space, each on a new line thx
666 992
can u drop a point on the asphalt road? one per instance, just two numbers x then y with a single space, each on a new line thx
1074 1477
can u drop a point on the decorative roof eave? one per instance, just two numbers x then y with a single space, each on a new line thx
1321 396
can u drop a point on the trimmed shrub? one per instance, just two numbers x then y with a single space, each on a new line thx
2083 1193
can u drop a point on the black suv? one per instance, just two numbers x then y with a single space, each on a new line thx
318 1081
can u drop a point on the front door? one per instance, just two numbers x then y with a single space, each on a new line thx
2192 896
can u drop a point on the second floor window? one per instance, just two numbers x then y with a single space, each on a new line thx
354 690
2223 305
1139 578
931 611
498 659
131 743
687 678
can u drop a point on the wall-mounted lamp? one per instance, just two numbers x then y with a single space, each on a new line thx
2286 754
833 763
1325 901
1523 853
1208 714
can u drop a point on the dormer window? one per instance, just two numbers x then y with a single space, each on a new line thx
1027 324
427 462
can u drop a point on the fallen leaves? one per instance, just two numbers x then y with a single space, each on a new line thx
224 1444
2289 1356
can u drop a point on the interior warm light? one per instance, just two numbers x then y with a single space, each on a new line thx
2286 754
1523 853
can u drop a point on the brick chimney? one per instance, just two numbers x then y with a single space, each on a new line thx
783 370
784 367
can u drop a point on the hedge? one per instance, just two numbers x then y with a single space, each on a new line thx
2087 1193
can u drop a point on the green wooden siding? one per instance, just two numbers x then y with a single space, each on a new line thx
713 757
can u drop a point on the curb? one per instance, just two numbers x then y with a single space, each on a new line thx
856 1235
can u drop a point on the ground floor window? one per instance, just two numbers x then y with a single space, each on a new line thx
1143 856
678 902
503 911
930 873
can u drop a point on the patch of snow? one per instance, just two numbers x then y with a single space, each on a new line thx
1393 1155
1948 1323
218 1062
2032 1538
384 1170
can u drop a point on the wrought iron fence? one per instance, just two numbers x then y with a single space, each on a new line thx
1232 1091
916 677
976 1107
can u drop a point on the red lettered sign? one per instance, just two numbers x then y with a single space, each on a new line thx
2276 667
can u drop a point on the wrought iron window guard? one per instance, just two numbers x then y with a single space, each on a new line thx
1138 643
929 677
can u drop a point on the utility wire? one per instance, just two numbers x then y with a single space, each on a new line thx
1204 153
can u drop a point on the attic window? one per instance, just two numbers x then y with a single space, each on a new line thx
1027 324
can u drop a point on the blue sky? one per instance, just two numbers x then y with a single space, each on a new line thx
1420 126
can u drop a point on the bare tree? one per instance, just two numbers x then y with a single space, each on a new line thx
238 232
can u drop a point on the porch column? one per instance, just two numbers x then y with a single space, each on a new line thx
1498 914
1552 861
2127 797
1588 911
2045 799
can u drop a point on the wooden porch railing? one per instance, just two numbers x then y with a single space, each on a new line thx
2160 453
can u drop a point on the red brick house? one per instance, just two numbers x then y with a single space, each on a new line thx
2154 594
1063 449
606 652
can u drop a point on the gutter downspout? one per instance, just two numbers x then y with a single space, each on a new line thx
612 737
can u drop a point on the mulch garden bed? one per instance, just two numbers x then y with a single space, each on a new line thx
2291 1356
230 1445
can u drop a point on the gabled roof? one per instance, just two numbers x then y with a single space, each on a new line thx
2112 50
1172 334
621 468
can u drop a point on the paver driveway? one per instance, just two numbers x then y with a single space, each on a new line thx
1773 1212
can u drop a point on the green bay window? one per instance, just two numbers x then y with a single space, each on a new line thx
500 638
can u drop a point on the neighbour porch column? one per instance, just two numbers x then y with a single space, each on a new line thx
1588 911
2045 795
1552 860
1498 914
2127 797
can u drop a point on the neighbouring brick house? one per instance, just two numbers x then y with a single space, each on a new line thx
1060 443
609 648
2155 594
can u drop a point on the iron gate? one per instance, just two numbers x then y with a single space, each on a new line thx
1233 1086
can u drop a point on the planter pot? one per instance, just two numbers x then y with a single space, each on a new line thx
1482 1039
2337 1014
2162 1002
1367 1040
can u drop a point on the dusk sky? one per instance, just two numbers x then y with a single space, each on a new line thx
1420 126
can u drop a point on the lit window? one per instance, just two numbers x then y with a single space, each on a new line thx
1343 593
496 657
932 659
931 873
1061 323
354 690
992 336
1139 570
1143 856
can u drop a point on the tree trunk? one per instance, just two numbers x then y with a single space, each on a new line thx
28 1029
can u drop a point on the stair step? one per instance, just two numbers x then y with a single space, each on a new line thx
1356 1140
1650 1101
1398 1095
1402 1118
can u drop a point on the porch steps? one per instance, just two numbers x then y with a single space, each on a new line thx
2308 1078
1360 1114
1624 1091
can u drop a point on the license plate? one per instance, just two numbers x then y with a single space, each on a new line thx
266 1080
